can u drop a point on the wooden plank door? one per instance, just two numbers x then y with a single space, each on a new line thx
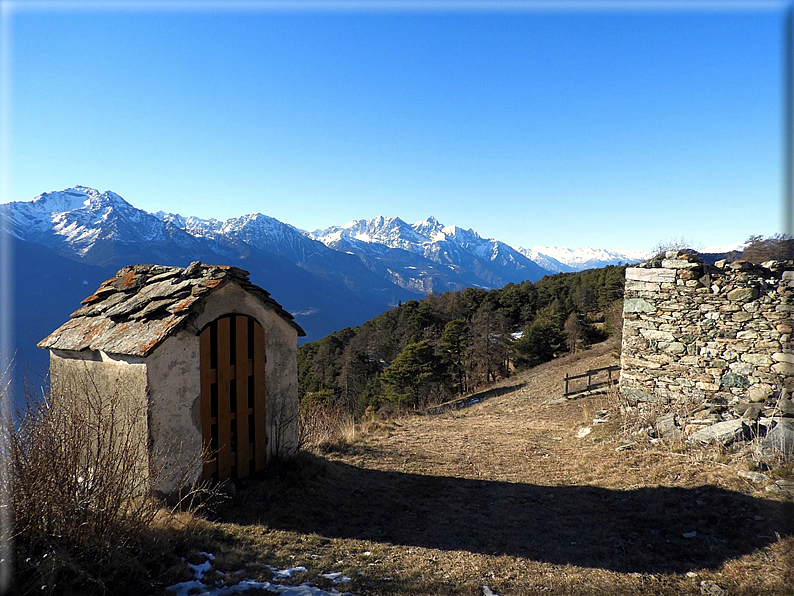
234 438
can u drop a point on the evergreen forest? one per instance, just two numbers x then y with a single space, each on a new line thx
446 345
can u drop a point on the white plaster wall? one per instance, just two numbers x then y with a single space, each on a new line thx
175 410
104 381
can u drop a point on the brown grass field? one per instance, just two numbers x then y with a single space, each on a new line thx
503 494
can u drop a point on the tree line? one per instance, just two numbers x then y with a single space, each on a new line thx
431 350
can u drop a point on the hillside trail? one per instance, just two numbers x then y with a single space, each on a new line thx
507 495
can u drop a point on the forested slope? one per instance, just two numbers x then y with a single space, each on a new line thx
430 350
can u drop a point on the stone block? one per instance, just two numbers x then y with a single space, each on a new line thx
754 477
628 361
741 368
742 317
657 335
636 393
757 359
642 286
747 335
724 433
652 275
703 386
673 347
783 368
634 305
783 357
759 392
679 264
731 379
742 294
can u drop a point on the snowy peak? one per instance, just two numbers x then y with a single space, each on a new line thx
388 231
393 232
78 217
562 259
429 255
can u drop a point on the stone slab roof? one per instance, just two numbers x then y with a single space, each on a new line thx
135 311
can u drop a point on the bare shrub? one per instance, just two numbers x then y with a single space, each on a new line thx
759 249
81 486
681 243
322 425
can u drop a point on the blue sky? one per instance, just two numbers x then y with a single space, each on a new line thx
614 128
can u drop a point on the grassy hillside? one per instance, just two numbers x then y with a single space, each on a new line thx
507 495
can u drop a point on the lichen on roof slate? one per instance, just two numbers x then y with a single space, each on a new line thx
137 309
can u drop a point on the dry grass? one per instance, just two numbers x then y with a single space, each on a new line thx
323 427
504 494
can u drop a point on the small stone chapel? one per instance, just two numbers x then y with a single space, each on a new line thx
207 355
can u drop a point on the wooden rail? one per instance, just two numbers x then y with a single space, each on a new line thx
592 384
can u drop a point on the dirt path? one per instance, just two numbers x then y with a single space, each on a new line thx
505 494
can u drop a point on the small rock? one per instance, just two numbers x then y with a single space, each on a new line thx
786 407
754 477
583 432
781 486
626 446
723 432
779 440
690 534
753 412
192 269
711 588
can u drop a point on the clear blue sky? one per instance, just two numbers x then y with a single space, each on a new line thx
611 128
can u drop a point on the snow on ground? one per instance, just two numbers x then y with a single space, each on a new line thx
198 586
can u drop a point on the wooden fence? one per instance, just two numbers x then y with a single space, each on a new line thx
598 378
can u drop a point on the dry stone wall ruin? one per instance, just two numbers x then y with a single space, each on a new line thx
717 337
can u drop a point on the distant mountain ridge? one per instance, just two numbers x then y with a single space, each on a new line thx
560 259
428 256
332 278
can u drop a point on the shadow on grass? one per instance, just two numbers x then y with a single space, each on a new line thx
638 530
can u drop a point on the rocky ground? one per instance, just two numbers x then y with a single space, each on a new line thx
524 492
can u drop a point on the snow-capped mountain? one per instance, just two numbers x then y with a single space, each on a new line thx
81 221
428 256
559 259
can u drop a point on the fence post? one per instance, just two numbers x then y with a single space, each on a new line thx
589 373
565 394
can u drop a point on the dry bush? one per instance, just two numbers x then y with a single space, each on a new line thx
323 426
80 484
638 418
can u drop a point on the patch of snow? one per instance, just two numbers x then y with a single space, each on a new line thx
286 573
196 587
724 248
578 259
337 577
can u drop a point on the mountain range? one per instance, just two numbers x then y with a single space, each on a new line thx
67 242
